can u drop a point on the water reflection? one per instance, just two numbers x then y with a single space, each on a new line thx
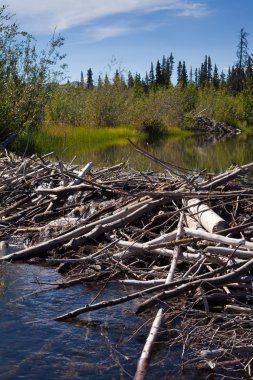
193 152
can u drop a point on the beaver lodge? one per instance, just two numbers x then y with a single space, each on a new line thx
181 242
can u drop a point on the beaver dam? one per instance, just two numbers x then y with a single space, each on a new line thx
181 242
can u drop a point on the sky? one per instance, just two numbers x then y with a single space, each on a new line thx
106 35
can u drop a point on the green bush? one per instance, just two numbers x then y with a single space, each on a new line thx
26 76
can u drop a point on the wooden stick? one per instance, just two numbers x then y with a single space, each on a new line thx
166 295
143 362
218 238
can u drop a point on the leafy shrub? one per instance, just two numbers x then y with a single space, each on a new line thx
26 76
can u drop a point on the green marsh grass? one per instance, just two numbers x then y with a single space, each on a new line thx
69 141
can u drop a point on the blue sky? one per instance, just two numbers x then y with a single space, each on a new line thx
128 34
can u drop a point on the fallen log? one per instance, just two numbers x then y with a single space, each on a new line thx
211 221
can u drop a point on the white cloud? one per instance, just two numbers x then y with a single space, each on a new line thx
103 32
42 17
99 33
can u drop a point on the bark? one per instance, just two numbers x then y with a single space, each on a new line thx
211 221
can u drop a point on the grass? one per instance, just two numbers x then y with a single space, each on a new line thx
69 140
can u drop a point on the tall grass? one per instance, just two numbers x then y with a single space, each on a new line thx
70 141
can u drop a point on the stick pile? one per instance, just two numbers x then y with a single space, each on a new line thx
184 240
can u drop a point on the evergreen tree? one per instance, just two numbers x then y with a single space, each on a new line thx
184 78
215 79
130 80
209 70
170 67
164 72
249 71
242 49
191 76
137 79
158 74
203 75
116 76
196 77
106 81
89 79
151 75
179 72
236 82
223 79
146 81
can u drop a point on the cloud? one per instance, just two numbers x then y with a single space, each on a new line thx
104 32
43 16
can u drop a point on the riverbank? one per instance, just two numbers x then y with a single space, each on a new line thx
155 232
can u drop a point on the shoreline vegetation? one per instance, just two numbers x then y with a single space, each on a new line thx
35 94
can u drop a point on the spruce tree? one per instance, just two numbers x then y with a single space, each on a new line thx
130 80
170 67
151 75
184 79
164 72
158 74
209 70
179 72
223 79
90 79
242 49
196 77
215 79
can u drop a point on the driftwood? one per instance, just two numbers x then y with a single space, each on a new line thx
170 234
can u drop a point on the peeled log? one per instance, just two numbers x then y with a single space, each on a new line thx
211 221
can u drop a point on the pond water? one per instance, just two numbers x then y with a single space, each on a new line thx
102 345
191 151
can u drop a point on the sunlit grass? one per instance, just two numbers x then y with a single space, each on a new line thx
70 140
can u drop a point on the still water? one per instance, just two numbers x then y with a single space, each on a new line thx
103 345
193 152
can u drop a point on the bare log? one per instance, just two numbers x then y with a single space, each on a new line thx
82 174
219 238
211 221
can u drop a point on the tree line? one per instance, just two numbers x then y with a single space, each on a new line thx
238 77
33 94
154 102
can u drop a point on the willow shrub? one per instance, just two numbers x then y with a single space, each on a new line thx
26 76
220 105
